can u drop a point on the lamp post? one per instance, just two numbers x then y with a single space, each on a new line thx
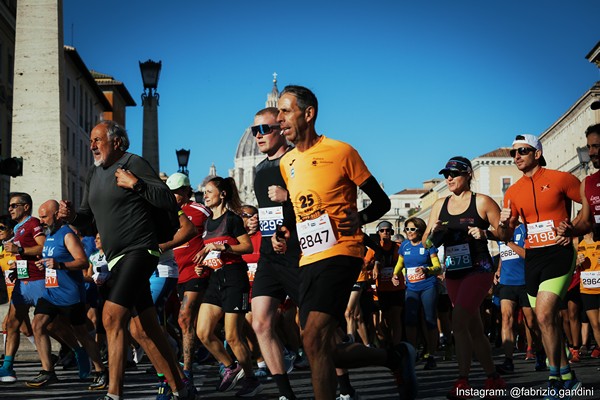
150 73
583 155
183 156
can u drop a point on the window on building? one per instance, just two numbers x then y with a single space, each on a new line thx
406 205
80 106
68 90
74 96
68 138
506 182
11 69
73 145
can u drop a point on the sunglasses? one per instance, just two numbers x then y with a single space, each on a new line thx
523 151
263 129
12 206
410 229
384 230
247 215
3 228
453 174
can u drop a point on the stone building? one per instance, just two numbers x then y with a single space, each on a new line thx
8 13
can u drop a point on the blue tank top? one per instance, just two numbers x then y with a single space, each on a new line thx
70 288
513 266
417 256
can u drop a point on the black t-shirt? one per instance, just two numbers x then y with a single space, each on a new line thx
268 174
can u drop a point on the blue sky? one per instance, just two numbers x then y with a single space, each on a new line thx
408 84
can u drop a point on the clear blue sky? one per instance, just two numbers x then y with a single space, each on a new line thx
409 84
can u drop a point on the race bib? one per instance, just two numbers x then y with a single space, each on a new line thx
597 218
7 273
252 271
316 235
413 276
385 274
541 234
506 253
213 260
22 272
167 271
590 279
51 278
269 219
458 257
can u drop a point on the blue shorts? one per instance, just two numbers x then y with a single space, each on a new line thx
161 289
28 292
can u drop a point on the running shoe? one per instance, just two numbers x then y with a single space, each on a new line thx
230 378
595 352
459 390
250 387
402 364
44 378
540 361
583 351
262 374
571 385
493 384
507 367
100 380
83 362
190 392
289 357
554 390
301 361
530 355
348 397
163 391
8 375
575 358
430 363
138 354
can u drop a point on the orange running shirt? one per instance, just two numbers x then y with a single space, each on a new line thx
543 201
590 268
322 182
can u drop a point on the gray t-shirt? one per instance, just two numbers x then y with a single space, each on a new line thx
122 216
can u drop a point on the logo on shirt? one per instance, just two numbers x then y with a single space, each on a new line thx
545 187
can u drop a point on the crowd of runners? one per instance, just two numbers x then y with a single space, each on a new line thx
140 268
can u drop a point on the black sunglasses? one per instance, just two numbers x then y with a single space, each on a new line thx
523 151
3 228
263 129
247 215
453 174
385 230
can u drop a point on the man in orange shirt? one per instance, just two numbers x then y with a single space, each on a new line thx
322 176
542 200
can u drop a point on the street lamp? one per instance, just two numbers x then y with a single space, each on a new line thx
183 156
583 155
150 73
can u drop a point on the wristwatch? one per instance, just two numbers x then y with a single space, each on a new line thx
139 186
227 247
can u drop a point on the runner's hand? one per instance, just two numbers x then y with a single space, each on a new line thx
350 224
279 239
277 194
565 228
125 178
563 240
396 280
65 211
476 232
505 216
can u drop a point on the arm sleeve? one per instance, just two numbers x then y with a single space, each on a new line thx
380 202
399 265
435 268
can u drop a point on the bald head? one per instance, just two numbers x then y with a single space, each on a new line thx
48 212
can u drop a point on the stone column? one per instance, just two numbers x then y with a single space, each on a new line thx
150 129
37 134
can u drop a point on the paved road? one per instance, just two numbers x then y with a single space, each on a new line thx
371 383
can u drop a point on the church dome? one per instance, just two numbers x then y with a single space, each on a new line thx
247 145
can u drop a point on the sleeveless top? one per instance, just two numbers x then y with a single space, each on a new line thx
463 253
224 229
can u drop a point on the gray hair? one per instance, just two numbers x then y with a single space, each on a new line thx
114 130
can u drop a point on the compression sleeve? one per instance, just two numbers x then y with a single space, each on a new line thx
435 268
380 202
399 266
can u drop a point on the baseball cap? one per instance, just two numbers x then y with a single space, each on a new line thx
178 180
532 141
458 164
